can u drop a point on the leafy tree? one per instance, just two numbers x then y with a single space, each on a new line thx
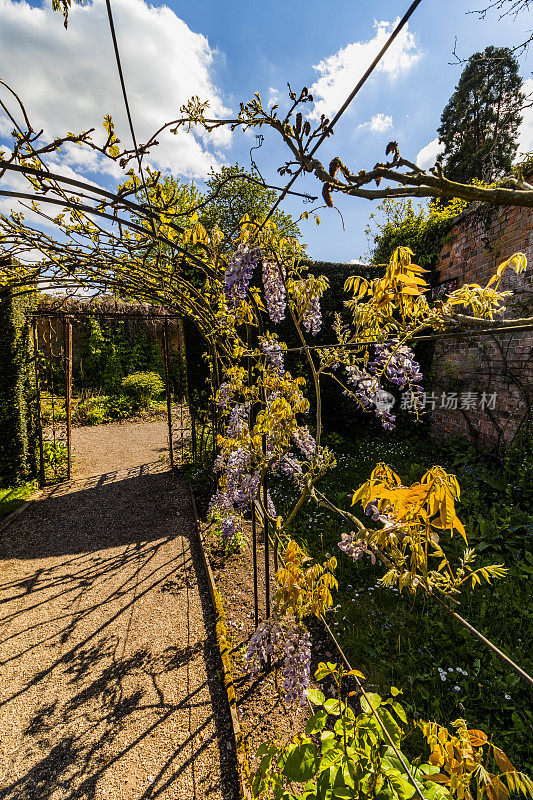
402 223
480 123
238 194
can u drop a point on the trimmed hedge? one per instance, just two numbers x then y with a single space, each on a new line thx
18 409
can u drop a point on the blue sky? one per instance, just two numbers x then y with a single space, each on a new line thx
225 51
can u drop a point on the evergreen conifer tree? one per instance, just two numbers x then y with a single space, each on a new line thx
479 125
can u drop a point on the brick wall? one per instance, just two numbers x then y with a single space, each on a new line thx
490 376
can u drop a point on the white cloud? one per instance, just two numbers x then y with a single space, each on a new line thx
525 132
340 72
380 123
428 155
68 78
273 96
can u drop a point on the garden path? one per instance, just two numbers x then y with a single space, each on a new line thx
108 668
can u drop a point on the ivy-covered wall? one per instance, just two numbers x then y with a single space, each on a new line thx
18 423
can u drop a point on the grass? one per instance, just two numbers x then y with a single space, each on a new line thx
13 497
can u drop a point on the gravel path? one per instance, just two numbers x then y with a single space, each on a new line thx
109 683
118 445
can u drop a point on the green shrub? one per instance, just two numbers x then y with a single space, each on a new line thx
91 411
143 387
55 456
119 406
18 423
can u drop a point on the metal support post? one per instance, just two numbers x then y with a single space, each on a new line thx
167 389
67 330
38 400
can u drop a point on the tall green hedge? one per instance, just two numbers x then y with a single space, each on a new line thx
18 422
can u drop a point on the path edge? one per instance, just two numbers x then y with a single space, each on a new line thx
243 768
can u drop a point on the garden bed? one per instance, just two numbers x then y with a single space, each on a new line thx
444 672
262 713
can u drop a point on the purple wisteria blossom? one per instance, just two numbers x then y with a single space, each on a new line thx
263 642
398 364
249 488
237 466
355 548
304 442
290 466
239 273
312 320
274 353
293 644
368 391
219 504
275 295
230 527
297 666
238 419
224 394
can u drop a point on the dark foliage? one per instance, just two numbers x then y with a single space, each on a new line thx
479 125
18 443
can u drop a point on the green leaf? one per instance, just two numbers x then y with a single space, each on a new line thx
370 699
316 697
302 763
401 713
392 727
332 753
317 722
324 784
333 706
403 788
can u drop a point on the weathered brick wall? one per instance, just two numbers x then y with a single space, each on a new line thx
491 376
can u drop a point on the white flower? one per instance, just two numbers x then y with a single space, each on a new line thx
457 688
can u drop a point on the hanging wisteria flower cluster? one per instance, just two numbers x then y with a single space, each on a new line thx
284 638
239 273
355 548
304 441
263 642
397 362
368 391
312 320
229 523
274 288
297 666
273 350
238 419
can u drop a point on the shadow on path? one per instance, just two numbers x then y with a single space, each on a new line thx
109 682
